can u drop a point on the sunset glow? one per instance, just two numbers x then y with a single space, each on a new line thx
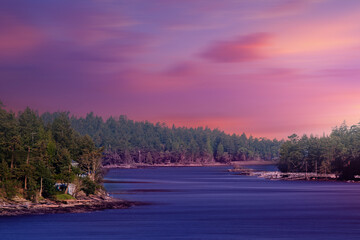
266 68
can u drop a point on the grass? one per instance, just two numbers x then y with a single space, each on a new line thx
64 197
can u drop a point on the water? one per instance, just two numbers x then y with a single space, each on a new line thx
205 203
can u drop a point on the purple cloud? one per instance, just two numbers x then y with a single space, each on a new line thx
243 49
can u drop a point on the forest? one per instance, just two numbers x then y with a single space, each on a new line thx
126 142
337 153
35 155
38 151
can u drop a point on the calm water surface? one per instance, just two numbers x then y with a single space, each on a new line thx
205 203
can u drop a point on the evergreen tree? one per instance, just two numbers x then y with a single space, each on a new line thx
34 155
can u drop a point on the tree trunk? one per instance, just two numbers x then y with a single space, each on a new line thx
68 181
93 169
27 163
12 161
41 187
28 157
89 172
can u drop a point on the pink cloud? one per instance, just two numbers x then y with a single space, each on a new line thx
243 49
288 7
183 69
340 72
17 38
124 57
137 80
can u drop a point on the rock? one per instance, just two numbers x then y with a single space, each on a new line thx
80 195
75 207
19 199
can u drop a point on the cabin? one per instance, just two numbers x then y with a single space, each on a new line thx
71 188
74 163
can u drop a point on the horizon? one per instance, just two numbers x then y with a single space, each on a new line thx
104 119
267 69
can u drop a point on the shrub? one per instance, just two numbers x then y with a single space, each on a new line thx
88 186
10 188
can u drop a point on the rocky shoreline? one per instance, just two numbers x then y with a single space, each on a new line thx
88 204
290 176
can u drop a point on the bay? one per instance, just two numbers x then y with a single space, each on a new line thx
205 203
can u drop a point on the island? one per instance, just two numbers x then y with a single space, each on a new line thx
336 154
49 167
333 157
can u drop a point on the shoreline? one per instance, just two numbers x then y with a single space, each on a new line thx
20 207
235 163
286 176
88 204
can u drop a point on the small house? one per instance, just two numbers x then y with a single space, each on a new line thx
74 163
71 188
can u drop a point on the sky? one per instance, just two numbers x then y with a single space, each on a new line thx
266 68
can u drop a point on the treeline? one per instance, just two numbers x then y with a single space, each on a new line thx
127 141
35 155
338 153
